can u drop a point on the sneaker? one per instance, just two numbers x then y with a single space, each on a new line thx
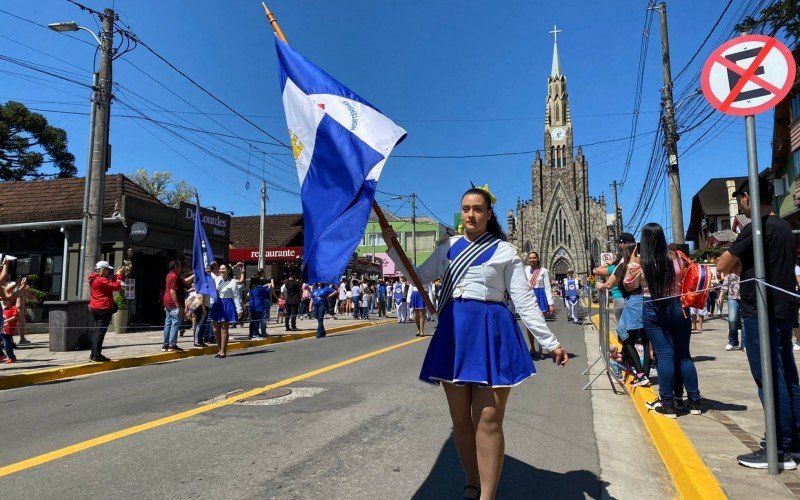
257 337
167 349
666 410
758 460
694 408
164 348
24 342
200 345
680 404
641 382
652 405
175 348
730 347
796 347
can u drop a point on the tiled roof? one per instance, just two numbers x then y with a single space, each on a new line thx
723 237
280 230
60 199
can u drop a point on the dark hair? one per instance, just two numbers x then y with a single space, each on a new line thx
493 226
622 268
229 274
537 255
656 262
174 264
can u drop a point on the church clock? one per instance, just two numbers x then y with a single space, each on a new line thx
558 134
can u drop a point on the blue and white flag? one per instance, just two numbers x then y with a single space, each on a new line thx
340 143
202 255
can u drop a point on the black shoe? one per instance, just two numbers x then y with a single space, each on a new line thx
99 359
694 408
661 408
680 404
176 348
295 329
288 329
758 460
200 344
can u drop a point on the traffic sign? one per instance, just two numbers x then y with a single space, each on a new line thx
748 75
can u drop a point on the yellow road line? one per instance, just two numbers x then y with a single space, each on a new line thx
690 474
107 438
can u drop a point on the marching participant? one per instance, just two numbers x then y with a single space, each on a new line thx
478 350
539 280
571 287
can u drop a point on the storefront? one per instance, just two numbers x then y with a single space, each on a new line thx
45 236
283 244
279 262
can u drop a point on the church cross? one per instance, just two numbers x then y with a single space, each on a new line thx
555 33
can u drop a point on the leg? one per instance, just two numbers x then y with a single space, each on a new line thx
320 312
681 337
488 411
629 348
224 339
175 321
422 313
733 322
287 313
252 326
218 333
459 399
659 336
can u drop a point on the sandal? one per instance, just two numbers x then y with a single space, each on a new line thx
469 489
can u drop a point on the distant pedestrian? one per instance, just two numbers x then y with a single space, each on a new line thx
779 258
417 307
571 290
355 293
730 288
399 293
226 308
174 305
259 310
380 294
320 296
293 293
10 319
102 285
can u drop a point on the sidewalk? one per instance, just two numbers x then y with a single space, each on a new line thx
733 419
37 355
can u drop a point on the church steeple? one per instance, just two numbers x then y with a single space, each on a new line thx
555 72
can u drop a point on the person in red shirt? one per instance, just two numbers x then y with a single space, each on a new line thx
174 305
102 284
10 317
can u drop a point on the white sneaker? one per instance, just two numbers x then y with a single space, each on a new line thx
796 347
733 348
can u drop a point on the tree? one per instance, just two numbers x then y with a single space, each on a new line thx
161 185
780 15
28 143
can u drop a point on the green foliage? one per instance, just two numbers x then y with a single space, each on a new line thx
28 144
780 15
38 295
162 186
705 254
121 301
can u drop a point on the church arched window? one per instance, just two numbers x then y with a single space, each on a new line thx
528 247
552 157
569 240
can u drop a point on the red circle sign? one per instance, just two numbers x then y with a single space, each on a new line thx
748 75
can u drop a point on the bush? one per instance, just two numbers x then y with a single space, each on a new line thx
121 301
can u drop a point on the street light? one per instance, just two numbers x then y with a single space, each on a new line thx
92 223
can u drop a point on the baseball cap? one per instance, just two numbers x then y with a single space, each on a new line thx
765 190
626 238
103 265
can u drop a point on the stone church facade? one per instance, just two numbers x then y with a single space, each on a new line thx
566 226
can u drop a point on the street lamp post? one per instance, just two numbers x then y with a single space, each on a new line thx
92 225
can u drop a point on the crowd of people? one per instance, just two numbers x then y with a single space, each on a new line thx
654 325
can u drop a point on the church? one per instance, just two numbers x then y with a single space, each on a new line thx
567 227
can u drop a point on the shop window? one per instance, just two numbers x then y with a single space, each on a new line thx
724 223
795 105
53 272
796 161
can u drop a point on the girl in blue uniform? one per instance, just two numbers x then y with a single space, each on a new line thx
478 350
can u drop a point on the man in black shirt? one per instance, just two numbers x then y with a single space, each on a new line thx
293 291
781 310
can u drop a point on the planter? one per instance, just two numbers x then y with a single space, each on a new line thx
37 313
120 321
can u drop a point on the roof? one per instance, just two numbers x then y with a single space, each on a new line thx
279 230
60 199
722 238
710 200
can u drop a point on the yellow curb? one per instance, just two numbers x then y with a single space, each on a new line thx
38 376
690 474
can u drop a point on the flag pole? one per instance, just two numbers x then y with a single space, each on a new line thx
375 207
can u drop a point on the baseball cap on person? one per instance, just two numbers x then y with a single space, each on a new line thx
626 238
103 265
765 190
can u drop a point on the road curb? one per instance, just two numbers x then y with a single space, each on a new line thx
53 374
690 474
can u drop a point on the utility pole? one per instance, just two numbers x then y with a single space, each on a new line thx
99 153
86 185
671 135
617 212
414 227
262 223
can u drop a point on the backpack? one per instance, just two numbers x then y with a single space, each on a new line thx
695 284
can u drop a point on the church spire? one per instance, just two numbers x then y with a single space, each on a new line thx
555 72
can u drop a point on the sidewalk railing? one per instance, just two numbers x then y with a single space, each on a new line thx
604 339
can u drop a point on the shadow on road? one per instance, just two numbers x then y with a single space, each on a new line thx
519 480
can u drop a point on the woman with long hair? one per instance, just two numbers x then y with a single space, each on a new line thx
539 280
417 307
659 271
227 307
478 351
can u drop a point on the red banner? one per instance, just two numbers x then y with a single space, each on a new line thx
271 254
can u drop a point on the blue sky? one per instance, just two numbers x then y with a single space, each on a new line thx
463 78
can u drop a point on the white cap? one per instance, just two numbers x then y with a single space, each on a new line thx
103 265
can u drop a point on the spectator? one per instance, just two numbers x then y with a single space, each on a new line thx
711 304
366 300
399 293
23 295
10 318
781 311
380 293
730 287
355 294
320 296
659 272
616 362
259 309
612 284
174 305
293 292
102 286
305 301
226 308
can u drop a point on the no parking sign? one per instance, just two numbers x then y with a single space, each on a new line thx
748 75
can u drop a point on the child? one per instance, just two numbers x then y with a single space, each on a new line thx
10 318
616 362
281 308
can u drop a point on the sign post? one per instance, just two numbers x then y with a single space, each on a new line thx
743 77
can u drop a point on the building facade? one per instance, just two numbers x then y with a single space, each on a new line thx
566 226
785 165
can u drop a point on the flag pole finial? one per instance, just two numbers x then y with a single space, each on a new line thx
274 23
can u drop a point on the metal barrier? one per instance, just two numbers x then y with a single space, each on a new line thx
604 333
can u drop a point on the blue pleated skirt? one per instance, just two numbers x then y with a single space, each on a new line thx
477 342
223 311
416 301
541 298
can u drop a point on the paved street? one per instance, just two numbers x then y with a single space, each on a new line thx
365 430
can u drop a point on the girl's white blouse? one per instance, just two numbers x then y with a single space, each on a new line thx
228 291
489 282
543 281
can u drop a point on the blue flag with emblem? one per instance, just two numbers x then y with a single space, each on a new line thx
340 144
202 255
